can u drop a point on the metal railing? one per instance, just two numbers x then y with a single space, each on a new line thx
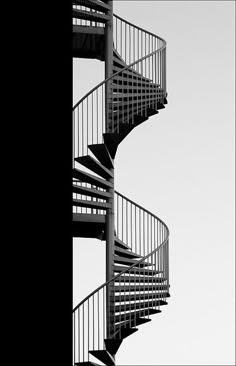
136 292
137 86
131 91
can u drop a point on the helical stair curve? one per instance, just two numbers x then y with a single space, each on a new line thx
137 241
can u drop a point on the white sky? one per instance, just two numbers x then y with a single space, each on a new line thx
180 166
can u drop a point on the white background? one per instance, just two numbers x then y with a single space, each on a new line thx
180 166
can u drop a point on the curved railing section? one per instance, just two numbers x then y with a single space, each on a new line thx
150 238
139 85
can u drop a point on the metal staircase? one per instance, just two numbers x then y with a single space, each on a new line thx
137 242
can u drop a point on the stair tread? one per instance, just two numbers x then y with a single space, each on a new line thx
140 305
129 79
88 15
120 243
86 191
93 4
94 165
125 253
102 154
103 356
129 72
89 363
112 141
112 345
141 288
138 296
146 271
134 323
131 315
91 204
116 87
130 261
89 178
151 280
122 332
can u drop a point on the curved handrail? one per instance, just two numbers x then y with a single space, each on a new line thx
101 111
136 263
135 26
116 74
121 273
149 69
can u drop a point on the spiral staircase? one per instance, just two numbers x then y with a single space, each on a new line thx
137 242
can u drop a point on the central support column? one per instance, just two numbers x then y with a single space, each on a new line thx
110 219
110 212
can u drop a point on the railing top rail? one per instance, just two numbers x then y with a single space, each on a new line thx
142 208
139 28
121 273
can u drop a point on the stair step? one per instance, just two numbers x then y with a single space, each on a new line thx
89 178
132 315
123 332
104 356
121 288
95 166
91 204
120 125
119 88
112 345
128 95
89 363
129 79
112 141
78 189
88 225
124 114
129 261
118 61
89 15
138 296
138 279
123 128
134 323
102 154
138 271
135 107
140 305
92 4
129 73
125 253
97 32
119 243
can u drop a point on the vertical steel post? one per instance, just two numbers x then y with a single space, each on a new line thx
110 211
108 61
